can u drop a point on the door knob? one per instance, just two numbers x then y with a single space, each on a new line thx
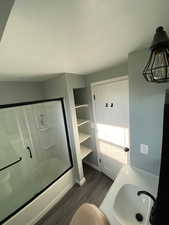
126 149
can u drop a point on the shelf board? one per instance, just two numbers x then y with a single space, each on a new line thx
81 106
83 137
85 151
81 122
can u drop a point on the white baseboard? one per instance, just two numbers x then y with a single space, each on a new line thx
81 182
92 165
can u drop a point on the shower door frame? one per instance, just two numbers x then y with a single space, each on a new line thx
68 145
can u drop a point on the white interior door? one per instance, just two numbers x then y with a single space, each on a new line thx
112 125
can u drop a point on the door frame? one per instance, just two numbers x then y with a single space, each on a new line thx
92 85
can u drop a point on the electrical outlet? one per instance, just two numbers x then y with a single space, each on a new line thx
144 149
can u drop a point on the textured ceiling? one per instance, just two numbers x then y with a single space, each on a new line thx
46 37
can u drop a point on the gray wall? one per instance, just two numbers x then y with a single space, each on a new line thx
146 110
58 86
146 104
146 114
55 88
62 86
5 9
12 92
119 70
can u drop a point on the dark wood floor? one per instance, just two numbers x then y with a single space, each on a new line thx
93 191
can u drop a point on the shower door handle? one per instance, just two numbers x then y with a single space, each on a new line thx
29 150
11 164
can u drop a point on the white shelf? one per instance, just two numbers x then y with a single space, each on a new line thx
81 122
85 151
83 137
81 106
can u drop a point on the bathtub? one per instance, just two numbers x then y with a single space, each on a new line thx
15 195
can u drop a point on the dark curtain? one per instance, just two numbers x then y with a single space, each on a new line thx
161 209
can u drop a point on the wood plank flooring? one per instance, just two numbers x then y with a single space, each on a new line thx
93 191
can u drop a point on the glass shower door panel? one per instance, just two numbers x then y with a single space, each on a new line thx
14 167
51 145
34 152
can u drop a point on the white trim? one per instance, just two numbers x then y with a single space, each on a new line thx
81 182
94 126
92 165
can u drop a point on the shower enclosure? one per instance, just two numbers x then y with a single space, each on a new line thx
34 152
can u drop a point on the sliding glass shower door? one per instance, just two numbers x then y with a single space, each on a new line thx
34 152
14 171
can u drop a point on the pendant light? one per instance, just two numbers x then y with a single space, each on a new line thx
157 68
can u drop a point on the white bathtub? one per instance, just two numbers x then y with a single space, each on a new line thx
19 189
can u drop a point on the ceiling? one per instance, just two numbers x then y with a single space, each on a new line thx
47 37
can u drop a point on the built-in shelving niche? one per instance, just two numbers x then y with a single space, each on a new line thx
80 96
84 132
85 148
83 121
82 115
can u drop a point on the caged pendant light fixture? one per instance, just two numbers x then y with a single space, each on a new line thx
157 68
